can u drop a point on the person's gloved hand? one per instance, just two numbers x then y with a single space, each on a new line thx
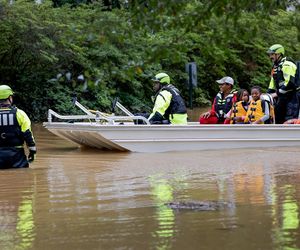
31 155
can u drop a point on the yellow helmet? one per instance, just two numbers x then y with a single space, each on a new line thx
163 78
5 92
276 49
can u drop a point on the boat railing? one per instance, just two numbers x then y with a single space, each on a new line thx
111 118
98 116
126 111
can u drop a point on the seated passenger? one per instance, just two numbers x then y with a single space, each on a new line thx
238 112
259 109
222 103
169 106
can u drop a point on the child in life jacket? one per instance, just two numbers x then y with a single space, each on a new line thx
238 112
259 109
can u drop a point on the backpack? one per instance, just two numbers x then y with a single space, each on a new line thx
297 76
267 98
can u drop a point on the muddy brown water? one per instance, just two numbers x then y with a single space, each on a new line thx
72 198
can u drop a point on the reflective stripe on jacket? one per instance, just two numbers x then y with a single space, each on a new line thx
222 106
15 128
10 130
283 77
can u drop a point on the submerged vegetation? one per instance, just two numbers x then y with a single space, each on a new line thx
107 49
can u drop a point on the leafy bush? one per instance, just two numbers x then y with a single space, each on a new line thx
43 50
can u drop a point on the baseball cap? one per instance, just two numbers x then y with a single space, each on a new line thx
226 79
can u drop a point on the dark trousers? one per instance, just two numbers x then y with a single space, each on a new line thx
287 107
11 157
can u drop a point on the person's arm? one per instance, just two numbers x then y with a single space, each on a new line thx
228 115
161 104
289 71
25 125
290 121
210 112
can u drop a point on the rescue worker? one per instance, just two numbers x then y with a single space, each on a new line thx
169 106
222 103
282 85
259 109
15 129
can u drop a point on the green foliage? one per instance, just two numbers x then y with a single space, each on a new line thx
119 51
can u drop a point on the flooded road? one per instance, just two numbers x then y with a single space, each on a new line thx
72 198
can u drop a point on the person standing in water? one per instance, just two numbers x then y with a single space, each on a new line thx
15 130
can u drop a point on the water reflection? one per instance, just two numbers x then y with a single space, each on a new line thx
287 229
163 193
16 209
25 223
74 198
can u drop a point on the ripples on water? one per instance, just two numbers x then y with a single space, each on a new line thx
74 198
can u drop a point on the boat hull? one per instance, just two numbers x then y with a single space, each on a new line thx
163 138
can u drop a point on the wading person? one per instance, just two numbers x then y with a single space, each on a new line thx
15 130
169 106
282 85
222 103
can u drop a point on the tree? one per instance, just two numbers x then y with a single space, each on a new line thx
44 49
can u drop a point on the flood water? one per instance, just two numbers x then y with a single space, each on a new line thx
72 198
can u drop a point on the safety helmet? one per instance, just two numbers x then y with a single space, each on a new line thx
5 92
276 49
163 78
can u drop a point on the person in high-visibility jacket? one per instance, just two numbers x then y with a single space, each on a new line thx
169 106
282 85
15 130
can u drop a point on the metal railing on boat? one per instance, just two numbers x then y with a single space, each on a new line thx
98 116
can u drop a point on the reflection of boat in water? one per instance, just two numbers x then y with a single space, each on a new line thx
121 133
